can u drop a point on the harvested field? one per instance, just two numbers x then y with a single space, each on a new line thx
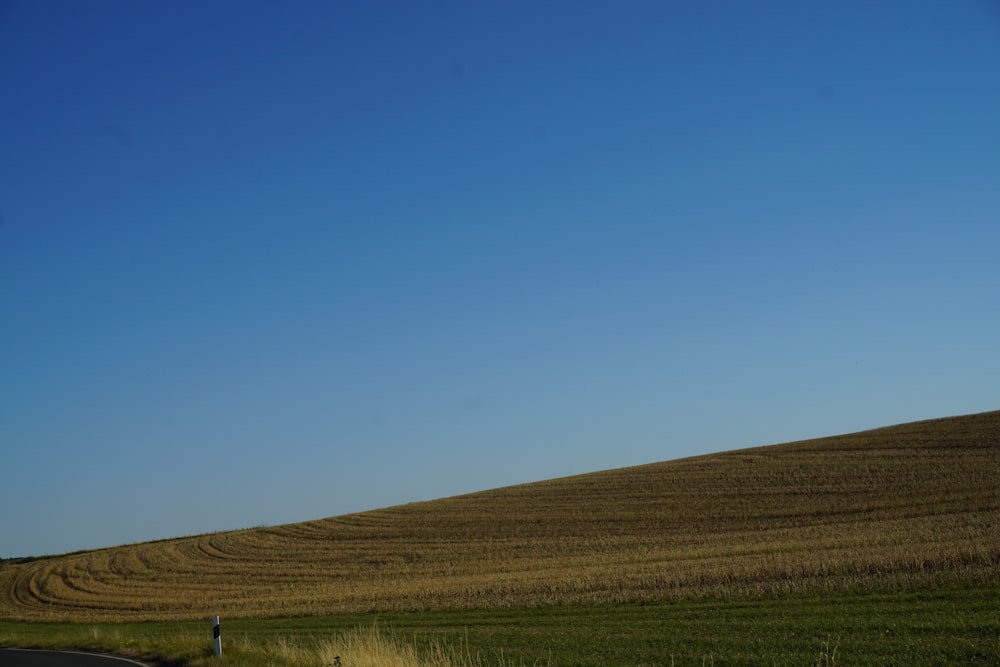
890 507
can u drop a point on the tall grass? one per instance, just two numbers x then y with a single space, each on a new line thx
368 647
361 646
911 504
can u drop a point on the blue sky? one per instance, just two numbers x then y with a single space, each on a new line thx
266 262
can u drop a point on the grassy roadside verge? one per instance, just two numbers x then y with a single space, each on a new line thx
933 626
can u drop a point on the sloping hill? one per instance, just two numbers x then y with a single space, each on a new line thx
897 506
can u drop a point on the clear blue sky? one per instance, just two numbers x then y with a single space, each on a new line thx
263 262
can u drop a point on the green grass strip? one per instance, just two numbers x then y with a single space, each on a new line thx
943 625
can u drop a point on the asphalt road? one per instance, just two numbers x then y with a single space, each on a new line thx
21 658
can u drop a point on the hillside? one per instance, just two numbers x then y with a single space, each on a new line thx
897 506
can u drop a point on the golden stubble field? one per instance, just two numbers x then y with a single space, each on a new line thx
898 506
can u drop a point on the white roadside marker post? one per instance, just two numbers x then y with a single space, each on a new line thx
217 634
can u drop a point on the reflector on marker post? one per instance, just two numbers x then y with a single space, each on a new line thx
217 634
